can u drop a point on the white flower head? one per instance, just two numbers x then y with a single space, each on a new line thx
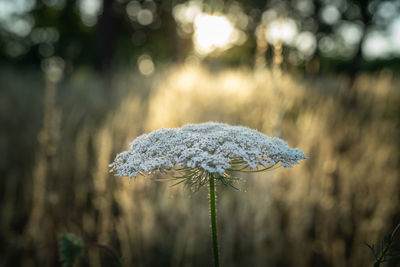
201 150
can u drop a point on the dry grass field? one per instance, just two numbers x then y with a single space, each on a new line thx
56 141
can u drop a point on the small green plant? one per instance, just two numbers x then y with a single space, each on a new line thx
204 154
72 250
385 251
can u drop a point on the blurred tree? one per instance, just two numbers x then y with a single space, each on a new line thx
105 34
106 31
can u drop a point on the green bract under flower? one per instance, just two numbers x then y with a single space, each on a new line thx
200 150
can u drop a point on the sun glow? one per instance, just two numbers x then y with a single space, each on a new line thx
213 32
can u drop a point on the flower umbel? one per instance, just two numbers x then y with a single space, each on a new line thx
197 150
199 154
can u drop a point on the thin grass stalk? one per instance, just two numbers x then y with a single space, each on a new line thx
213 217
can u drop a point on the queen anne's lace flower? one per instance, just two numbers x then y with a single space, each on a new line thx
203 149
203 153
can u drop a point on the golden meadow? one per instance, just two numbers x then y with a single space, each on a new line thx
57 139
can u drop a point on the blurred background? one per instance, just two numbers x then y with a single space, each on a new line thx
80 79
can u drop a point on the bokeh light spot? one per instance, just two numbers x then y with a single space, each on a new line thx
281 30
145 17
145 65
330 14
306 43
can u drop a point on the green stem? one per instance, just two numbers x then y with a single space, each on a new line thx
212 6
213 216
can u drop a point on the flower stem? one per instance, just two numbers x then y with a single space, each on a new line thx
213 217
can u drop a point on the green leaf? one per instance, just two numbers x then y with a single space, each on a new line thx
71 249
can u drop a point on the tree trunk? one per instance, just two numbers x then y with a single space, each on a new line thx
358 59
106 38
